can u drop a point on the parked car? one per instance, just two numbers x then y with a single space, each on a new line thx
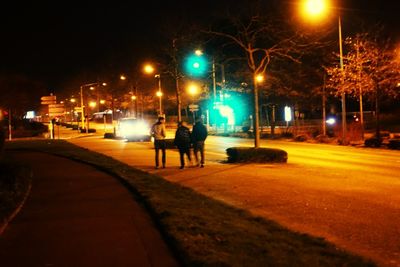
133 129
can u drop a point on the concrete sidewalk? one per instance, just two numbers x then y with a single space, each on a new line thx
79 216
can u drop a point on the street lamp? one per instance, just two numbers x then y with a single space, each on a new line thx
159 92
91 87
149 69
315 9
193 90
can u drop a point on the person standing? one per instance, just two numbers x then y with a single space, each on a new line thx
182 141
199 135
158 132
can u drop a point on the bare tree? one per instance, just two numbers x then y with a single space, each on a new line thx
263 41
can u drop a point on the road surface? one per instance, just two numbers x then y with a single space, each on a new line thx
348 195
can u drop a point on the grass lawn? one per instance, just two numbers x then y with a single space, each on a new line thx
203 231
15 181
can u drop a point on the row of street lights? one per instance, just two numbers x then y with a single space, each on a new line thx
311 9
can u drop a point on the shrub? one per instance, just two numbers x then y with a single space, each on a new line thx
301 138
373 142
245 129
322 138
109 135
394 144
90 130
250 154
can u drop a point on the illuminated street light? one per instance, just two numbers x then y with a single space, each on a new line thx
259 78
193 89
122 77
102 101
92 104
159 93
91 87
148 69
198 52
316 9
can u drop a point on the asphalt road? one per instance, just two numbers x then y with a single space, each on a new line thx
348 195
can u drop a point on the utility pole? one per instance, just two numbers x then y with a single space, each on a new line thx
324 107
344 123
359 66
177 76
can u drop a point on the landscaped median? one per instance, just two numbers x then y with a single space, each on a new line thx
256 155
203 231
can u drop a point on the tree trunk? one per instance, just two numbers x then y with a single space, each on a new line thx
377 113
256 123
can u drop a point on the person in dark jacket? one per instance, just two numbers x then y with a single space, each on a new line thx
182 141
199 135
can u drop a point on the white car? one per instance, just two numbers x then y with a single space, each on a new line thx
133 129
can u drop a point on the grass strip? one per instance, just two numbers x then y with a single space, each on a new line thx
203 231
15 180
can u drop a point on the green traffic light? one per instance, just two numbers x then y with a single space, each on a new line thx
196 65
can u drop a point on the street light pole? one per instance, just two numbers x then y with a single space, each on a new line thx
344 124
82 108
159 93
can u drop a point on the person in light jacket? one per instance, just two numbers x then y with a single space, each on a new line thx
158 132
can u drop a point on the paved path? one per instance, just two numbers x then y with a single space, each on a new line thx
79 216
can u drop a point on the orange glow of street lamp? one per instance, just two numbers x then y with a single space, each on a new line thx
259 78
159 94
122 77
313 10
148 68
198 52
193 89
92 104
102 101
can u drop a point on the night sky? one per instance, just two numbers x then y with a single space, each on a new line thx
51 41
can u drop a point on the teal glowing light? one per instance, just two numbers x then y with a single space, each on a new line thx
196 65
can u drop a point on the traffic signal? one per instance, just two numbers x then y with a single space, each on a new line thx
196 65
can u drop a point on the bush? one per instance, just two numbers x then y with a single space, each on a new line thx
245 129
301 138
394 144
322 138
90 130
373 142
109 135
26 128
250 154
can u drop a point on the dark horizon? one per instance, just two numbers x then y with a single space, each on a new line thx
54 42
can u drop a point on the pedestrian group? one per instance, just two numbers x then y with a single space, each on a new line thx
184 140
